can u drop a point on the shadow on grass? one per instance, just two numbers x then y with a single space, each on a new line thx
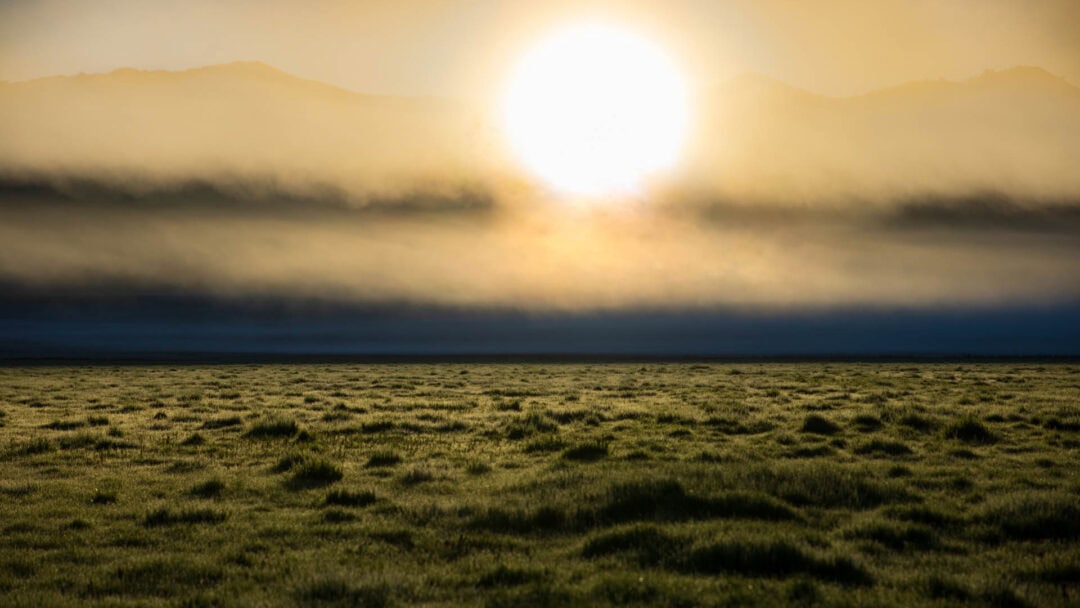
970 430
334 592
345 498
652 547
1033 517
167 577
661 500
167 517
314 473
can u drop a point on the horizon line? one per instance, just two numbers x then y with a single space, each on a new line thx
453 98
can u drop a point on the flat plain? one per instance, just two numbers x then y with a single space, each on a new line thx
541 485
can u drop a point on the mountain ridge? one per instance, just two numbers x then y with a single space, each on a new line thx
1014 131
1027 74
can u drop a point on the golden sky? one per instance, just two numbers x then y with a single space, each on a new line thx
259 178
463 48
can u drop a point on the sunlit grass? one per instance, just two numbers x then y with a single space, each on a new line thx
540 485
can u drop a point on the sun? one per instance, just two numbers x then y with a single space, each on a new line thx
596 109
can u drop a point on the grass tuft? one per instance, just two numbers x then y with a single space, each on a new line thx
168 517
648 544
504 576
211 488
667 500
195 439
222 423
819 425
38 445
273 428
897 537
103 497
586 452
883 447
345 498
517 521
530 424
1034 516
314 473
970 430
337 592
772 559
383 459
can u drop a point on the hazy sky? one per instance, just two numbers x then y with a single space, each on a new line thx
251 181
465 47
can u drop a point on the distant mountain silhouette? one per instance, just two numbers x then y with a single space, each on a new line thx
244 119
1015 131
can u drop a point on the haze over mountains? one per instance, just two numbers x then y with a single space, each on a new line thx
245 122
1013 133
240 181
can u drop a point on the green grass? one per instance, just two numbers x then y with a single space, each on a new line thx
541 485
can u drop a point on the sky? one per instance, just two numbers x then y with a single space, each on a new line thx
856 178
462 48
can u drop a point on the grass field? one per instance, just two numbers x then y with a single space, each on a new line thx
541 485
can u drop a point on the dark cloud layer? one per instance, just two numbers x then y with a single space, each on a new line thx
177 327
233 194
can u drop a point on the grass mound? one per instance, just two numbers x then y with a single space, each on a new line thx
970 430
650 546
222 423
168 517
377 426
897 537
195 439
530 424
314 473
730 425
345 498
920 514
273 428
337 592
158 577
1034 517
823 484
819 425
417 476
771 559
883 447
866 423
383 459
211 488
38 445
667 500
103 497
519 521
918 422
586 452
65 425
504 576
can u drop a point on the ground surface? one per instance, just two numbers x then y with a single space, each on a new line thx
537 485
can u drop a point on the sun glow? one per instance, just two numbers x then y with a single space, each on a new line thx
596 110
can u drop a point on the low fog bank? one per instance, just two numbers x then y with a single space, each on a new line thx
473 252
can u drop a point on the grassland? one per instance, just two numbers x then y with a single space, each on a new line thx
541 485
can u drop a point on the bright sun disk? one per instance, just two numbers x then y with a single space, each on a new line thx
595 110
